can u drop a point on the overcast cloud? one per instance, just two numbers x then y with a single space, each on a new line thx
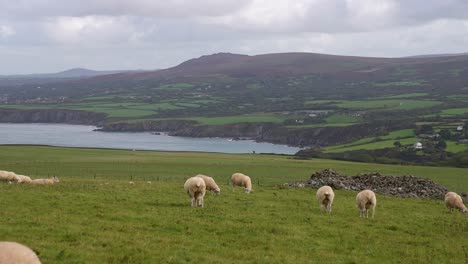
54 35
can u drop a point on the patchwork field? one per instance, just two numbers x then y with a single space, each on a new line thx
95 216
404 136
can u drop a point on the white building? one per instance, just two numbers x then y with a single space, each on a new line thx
418 145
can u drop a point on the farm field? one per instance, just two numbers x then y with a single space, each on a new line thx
95 216
388 104
405 136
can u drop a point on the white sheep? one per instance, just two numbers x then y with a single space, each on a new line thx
364 201
453 200
12 253
210 184
52 180
9 176
325 196
24 178
196 189
239 179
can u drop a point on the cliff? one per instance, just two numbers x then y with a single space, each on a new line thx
51 116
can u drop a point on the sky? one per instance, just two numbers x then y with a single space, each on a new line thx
38 36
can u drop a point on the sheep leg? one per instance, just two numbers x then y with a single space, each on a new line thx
373 212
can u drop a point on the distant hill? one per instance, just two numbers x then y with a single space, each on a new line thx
439 55
67 75
71 73
287 64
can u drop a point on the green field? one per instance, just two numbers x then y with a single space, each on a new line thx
95 216
400 83
405 95
388 104
405 136
238 119
454 111
342 119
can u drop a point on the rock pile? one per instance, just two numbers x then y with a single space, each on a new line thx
398 186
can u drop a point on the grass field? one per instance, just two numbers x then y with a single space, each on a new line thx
405 95
223 120
454 111
94 216
405 136
388 104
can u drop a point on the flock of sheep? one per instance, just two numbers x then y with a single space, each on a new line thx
366 200
11 177
196 188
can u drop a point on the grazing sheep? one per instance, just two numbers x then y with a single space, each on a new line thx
24 179
210 184
239 179
364 201
196 189
13 253
453 200
52 180
9 176
325 196
131 183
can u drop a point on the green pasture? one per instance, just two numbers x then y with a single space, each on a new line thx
176 86
405 95
453 146
400 83
405 136
454 111
388 104
223 120
337 118
95 216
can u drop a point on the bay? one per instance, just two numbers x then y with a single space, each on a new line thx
64 135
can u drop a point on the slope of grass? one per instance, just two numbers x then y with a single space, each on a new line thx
404 136
94 216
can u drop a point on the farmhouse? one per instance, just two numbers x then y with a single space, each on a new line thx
418 145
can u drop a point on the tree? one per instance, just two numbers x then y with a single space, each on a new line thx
397 144
445 134
441 144
425 129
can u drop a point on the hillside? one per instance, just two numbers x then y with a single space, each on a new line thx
300 99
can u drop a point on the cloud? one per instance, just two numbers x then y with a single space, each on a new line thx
151 8
89 30
119 34
6 31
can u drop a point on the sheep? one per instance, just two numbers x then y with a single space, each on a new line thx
325 196
52 180
364 201
9 176
24 179
239 179
196 189
453 200
12 252
210 184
